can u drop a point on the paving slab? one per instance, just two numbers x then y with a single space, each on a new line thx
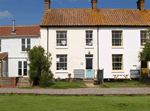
79 91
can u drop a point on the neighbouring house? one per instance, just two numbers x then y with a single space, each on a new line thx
82 41
13 41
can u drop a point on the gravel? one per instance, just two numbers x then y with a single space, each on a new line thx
79 91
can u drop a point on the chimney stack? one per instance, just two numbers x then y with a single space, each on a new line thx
141 5
47 4
94 4
13 27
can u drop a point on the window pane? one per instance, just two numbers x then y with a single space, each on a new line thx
23 48
65 65
28 46
25 64
0 48
25 72
62 35
63 42
0 41
58 42
19 64
62 59
28 41
19 71
62 65
23 41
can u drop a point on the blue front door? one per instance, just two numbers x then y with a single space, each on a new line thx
89 68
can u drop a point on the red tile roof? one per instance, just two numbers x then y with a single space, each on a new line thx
29 30
3 55
78 17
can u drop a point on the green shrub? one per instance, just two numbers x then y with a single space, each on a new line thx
69 75
45 79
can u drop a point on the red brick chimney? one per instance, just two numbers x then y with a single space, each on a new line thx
94 4
141 5
47 4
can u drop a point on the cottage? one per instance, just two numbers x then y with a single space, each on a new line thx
82 41
13 41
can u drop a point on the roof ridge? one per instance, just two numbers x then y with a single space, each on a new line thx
18 25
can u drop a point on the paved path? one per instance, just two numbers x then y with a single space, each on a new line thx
81 91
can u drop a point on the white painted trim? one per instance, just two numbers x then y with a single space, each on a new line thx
89 47
61 71
61 47
17 57
117 47
117 71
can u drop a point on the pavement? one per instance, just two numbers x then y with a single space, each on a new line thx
79 91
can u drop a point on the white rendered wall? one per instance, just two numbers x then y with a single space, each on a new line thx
76 48
12 46
130 49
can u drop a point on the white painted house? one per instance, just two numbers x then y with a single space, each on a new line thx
13 40
82 41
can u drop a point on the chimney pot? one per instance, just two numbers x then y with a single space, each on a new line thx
47 4
141 5
13 27
94 4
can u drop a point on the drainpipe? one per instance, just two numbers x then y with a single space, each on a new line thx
47 40
98 48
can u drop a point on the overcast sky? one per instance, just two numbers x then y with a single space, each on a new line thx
30 12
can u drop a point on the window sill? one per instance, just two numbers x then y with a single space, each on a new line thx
61 71
61 47
117 71
117 47
23 52
89 47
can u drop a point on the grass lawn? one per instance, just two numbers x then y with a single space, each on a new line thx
66 85
15 102
128 83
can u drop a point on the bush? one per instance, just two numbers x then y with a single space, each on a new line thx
58 79
69 75
45 79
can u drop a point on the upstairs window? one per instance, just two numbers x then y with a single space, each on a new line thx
117 38
61 38
143 35
25 44
89 38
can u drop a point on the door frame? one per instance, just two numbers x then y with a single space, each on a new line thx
92 65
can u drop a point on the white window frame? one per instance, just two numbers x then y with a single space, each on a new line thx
146 39
89 32
121 38
117 62
60 41
58 58
22 68
25 43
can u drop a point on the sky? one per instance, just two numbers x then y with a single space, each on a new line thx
30 12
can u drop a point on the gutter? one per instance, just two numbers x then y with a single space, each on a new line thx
47 40
98 48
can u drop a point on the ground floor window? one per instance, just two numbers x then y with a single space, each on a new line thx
61 62
22 68
117 62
